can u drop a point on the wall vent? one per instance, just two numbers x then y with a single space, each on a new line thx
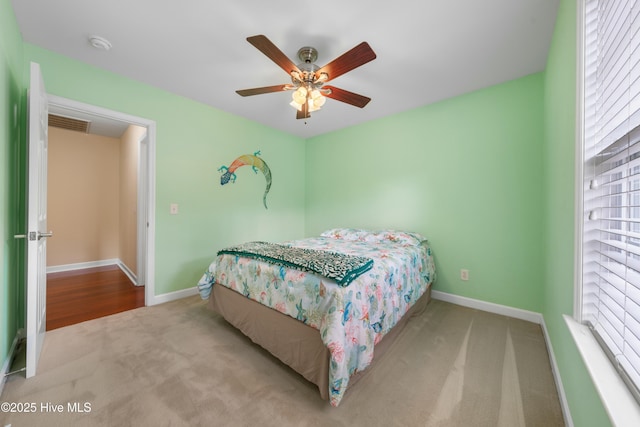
69 123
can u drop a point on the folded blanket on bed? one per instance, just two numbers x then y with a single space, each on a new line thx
342 268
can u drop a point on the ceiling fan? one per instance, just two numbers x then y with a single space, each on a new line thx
307 79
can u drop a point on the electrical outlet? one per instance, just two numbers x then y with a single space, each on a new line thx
173 209
464 274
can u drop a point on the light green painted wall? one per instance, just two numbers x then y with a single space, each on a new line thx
193 141
559 188
465 172
487 176
10 195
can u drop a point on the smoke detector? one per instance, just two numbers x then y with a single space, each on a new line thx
99 42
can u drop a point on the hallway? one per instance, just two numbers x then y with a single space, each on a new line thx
80 295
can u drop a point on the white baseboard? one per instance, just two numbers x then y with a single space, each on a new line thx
172 296
93 264
7 363
128 272
517 313
504 310
82 265
568 421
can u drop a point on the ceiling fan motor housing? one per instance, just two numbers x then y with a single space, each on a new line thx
308 72
308 54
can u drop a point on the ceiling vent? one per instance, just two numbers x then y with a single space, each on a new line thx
69 123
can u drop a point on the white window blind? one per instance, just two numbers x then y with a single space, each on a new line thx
611 225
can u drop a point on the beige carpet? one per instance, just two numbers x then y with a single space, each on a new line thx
178 364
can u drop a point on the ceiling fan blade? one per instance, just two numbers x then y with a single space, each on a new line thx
264 45
261 90
304 112
349 60
346 96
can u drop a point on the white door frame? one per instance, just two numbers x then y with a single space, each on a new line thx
142 214
146 186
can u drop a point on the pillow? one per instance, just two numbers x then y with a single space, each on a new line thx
400 237
355 234
351 234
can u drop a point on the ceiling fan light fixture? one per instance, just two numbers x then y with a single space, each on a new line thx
295 105
312 96
312 107
300 95
315 94
317 99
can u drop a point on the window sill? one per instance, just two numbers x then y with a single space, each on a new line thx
622 408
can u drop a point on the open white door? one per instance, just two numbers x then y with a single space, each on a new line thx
37 219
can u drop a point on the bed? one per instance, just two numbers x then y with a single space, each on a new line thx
324 322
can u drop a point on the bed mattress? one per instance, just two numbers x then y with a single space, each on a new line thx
351 319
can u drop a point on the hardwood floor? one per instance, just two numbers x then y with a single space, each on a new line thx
79 295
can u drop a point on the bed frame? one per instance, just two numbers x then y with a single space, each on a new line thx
293 342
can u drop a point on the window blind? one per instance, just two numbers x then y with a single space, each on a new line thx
611 196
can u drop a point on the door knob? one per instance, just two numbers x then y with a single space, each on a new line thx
46 234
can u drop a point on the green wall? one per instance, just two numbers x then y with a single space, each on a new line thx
193 141
559 217
465 172
488 177
11 303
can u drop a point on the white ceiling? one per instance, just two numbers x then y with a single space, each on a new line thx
426 50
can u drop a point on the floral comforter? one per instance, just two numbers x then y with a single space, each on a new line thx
351 319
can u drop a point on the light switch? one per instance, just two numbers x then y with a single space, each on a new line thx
173 209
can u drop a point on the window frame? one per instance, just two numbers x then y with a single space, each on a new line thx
618 401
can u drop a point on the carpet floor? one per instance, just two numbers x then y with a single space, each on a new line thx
179 364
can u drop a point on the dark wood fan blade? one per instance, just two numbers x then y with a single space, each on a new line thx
346 62
304 112
261 90
346 96
265 46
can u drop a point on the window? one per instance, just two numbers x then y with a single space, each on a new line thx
610 295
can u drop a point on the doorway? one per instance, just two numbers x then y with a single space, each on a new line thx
76 296
109 123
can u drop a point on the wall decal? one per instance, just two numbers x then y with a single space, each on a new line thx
228 173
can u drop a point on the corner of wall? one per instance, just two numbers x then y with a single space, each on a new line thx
11 155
